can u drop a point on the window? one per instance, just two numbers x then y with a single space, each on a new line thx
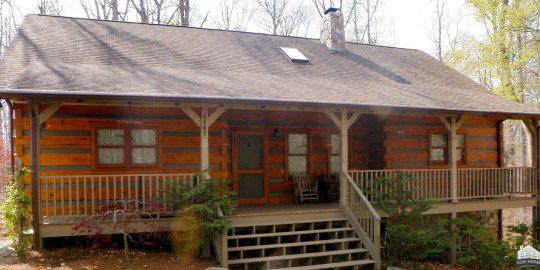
334 154
127 147
298 152
438 147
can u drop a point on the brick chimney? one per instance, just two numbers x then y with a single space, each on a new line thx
333 30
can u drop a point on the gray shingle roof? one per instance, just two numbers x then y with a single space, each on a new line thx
69 54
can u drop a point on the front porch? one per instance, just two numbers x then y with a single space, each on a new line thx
67 200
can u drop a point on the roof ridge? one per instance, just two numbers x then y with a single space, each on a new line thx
213 29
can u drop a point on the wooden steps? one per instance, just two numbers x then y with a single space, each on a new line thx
333 265
320 240
302 255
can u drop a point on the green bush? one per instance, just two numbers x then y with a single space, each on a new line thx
199 205
478 248
427 242
518 236
409 236
17 211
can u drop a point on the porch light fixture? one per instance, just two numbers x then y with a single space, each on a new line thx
276 133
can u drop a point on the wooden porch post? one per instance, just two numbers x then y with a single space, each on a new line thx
34 148
536 212
344 134
205 161
343 123
533 137
204 121
452 126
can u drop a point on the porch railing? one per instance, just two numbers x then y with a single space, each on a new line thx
481 183
365 219
435 184
78 195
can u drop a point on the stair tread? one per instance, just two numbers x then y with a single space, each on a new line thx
331 265
297 256
306 243
288 222
242 236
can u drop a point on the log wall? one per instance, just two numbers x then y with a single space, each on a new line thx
376 142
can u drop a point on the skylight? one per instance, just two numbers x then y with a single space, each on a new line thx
294 55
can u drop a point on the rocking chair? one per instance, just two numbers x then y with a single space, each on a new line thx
305 188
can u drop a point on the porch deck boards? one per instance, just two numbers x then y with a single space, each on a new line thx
257 215
285 208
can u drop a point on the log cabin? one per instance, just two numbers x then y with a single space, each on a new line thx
108 110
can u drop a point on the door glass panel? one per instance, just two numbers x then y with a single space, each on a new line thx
143 137
251 185
297 143
297 164
110 137
111 155
250 152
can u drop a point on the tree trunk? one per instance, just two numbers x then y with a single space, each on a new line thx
126 248
114 7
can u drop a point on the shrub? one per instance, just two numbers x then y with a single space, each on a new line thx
408 234
518 236
477 247
123 216
17 211
200 205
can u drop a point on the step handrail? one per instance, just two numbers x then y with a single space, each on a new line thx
362 197
364 218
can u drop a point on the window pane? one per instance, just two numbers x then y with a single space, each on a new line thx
110 137
143 137
438 154
461 141
297 164
335 140
297 143
460 155
111 156
335 164
438 140
143 155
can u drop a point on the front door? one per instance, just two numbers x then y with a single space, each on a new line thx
250 167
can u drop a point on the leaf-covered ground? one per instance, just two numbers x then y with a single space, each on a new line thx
75 258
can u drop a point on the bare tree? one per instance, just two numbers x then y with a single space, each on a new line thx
8 25
439 25
234 15
364 21
281 16
346 7
105 9
49 7
184 10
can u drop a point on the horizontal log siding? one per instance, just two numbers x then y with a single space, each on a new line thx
66 141
317 124
406 142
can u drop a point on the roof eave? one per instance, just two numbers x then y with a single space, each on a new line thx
100 97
